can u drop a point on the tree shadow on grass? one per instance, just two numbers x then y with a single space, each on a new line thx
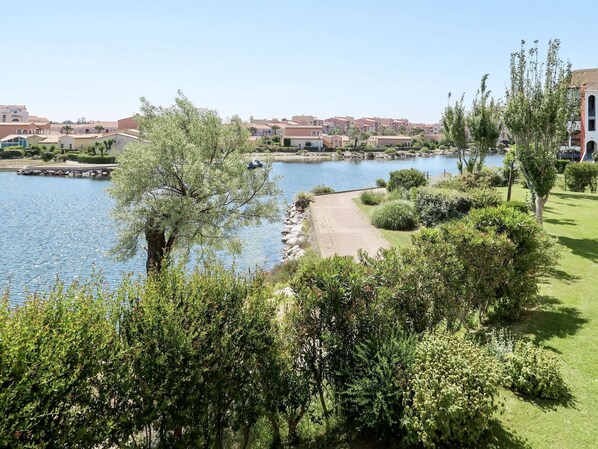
586 248
561 221
501 438
572 196
567 401
562 276
551 319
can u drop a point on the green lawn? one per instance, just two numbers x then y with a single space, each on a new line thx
565 321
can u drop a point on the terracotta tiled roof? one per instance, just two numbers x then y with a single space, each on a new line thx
589 77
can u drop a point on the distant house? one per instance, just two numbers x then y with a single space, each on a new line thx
382 141
21 140
335 141
586 82
121 139
87 128
76 141
14 113
308 137
18 128
343 123
127 123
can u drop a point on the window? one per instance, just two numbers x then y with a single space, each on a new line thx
591 106
592 124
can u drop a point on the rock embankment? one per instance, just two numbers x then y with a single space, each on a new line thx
70 173
293 236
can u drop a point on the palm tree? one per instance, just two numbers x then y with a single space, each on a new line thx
99 129
67 129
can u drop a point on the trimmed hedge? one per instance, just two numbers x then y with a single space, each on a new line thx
88 159
561 165
407 178
398 215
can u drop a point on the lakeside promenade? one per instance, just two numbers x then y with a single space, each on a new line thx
341 228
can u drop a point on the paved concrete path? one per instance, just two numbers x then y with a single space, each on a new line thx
341 228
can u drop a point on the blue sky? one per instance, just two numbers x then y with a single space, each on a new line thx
65 59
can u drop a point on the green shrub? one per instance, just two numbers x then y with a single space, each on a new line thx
12 153
390 151
436 205
454 385
394 215
535 254
380 182
484 197
561 165
47 156
378 378
302 200
73 156
580 176
317 190
370 198
535 372
90 159
407 179
521 206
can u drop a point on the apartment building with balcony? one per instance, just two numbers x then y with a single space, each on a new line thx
586 81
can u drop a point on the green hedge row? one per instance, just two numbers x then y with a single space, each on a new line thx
88 159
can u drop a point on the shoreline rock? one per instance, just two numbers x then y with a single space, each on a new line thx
293 237
69 173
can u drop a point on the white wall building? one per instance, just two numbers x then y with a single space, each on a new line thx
13 113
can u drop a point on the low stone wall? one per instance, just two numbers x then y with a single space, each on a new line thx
293 235
70 173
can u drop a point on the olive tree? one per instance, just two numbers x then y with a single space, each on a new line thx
536 114
187 184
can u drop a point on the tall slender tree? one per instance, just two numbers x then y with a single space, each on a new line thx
454 121
484 124
536 115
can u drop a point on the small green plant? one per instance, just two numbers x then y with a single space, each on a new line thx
370 198
534 371
395 215
454 387
320 189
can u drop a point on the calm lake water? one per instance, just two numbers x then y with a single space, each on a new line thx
61 227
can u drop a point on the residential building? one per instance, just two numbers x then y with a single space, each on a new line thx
343 123
87 128
382 141
335 141
586 81
8 128
127 123
121 139
21 140
308 120
10 113
76 141
303 136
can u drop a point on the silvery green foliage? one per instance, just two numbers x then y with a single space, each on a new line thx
188 182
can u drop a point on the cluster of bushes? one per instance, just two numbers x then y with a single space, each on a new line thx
11 153
581 176
210 359
436 205
370 198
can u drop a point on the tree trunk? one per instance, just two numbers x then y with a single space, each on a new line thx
276 440
156 244
323 402
540 209
246 435
510 186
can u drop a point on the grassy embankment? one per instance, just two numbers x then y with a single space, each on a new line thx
565 321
